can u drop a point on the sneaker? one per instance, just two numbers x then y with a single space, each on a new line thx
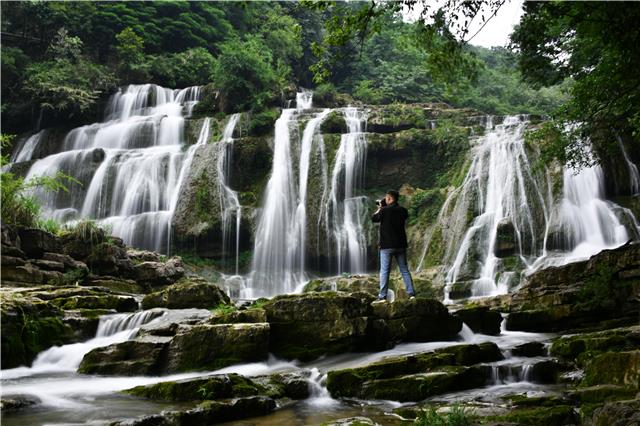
412 298
379 301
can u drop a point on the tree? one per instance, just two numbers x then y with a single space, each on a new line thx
131 59
597 46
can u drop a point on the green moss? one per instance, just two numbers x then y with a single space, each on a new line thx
559 415
617 368
263 122
583 347
435 252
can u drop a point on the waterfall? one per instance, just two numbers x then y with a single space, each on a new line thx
27 147
503 192
112 329
503 220
634 176
229 203
130 166
346 212
278 261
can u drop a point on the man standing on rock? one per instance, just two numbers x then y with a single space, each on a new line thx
393 242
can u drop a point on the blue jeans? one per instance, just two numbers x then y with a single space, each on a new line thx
385 268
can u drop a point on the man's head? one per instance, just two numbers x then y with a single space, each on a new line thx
391 196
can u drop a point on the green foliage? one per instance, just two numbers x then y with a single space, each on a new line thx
88 231
244 75
263 122
49 225
19 205
188 68
367 93
425 205
224 309
457 416
595 45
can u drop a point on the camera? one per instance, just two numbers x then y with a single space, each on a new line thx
381 202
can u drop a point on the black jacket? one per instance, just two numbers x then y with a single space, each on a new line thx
392 219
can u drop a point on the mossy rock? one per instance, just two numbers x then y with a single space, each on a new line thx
481 319
602 393
581 347
209 388
189 292
348 382
559 415
210 347
29 326
240 316
130 358
103 301
617 368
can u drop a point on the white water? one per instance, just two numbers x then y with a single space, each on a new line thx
130 166
229 202
27 147
346 212
111 329
502 187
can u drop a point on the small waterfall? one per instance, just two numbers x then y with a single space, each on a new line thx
229 202
25 150
634 176
130 166
466 334
318 394
111 329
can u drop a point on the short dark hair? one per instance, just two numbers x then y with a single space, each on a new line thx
393 194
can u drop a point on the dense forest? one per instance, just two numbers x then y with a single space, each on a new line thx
59 59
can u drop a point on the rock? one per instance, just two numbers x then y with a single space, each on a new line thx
461 290
622 413
240 316
11 261
118 284
17 402
530 349
601 393
572 347
417 387
558 415
159 274
65 259
580 294
289 385
352 421
350 382
50 265
35 242
506 242
139 256
26 273
547 371
84 322
365 283
29 326
191 292
616 368
480 319
417 320
307 326
210 347
98 301
209 388
130 358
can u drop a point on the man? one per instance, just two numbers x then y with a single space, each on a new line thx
393 242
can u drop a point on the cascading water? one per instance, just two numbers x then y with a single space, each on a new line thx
279 263
229 202
634 175
503 191
345 212
130 166
111 329
515 216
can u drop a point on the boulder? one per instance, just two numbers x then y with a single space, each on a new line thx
573 346
22 275
210 347
530 349
416 320
620 413
307 326
239 316
350 382
130 358
506 243
616 368
159 273
35 242
480 319
581 294
117 284
190 292
12 403
29 326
